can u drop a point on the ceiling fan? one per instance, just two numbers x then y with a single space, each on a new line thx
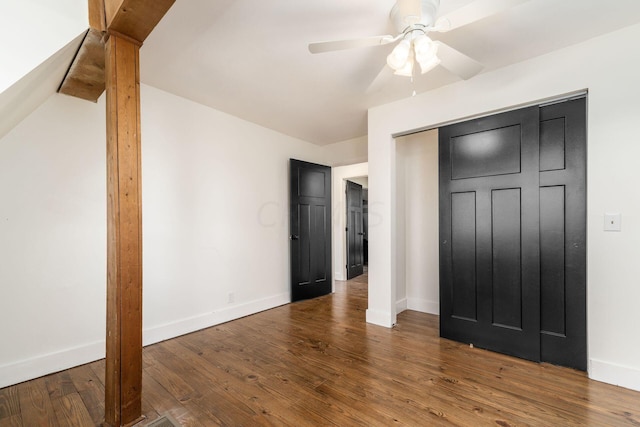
414 20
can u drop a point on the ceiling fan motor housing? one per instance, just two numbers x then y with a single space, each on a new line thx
407 13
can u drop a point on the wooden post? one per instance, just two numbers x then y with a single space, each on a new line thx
126 23
123 381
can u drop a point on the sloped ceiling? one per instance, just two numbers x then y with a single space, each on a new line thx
250 59
28 93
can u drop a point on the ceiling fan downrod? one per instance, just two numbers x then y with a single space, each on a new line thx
409 13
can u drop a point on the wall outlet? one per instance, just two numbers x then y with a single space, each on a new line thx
231 297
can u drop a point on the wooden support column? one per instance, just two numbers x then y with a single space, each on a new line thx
114 63
123 381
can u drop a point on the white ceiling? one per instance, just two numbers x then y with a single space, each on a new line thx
249 58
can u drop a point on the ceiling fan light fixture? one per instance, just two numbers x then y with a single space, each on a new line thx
426 53
407 69
423 45
399 56
428 64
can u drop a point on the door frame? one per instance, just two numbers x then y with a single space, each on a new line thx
339 175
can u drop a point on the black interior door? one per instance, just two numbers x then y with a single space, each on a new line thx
365 225
563 332
489 233
513 233
355 231
310 229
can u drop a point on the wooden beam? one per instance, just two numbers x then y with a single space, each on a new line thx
128 23
123 379
85 78
97 16
112 7
135 18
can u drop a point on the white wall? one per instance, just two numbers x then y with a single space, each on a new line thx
613 284
350 152
34 30
215 221
215 215
52 239
339 175
417 248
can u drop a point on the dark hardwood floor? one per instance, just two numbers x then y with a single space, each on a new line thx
317 363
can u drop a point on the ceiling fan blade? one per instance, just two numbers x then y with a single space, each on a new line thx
457 62
473 12
330 46
381 79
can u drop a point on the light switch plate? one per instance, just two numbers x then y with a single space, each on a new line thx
612 222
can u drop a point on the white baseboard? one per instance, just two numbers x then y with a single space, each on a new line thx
380 318
186 326
615 374
423 305
401 305
54 362
49 363
25 370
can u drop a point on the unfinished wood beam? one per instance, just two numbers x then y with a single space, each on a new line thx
97 15
85 78
128 24
123 379
135 18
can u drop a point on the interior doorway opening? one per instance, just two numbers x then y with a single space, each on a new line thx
417 258
357 239
357 173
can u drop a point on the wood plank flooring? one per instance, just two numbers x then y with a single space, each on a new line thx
317 363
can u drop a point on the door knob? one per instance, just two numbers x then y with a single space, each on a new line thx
294 237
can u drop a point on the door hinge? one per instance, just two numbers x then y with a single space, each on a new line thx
346 229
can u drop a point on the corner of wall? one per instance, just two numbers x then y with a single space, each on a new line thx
423 305
380 318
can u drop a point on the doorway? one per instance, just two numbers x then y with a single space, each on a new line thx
357 173
356 197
